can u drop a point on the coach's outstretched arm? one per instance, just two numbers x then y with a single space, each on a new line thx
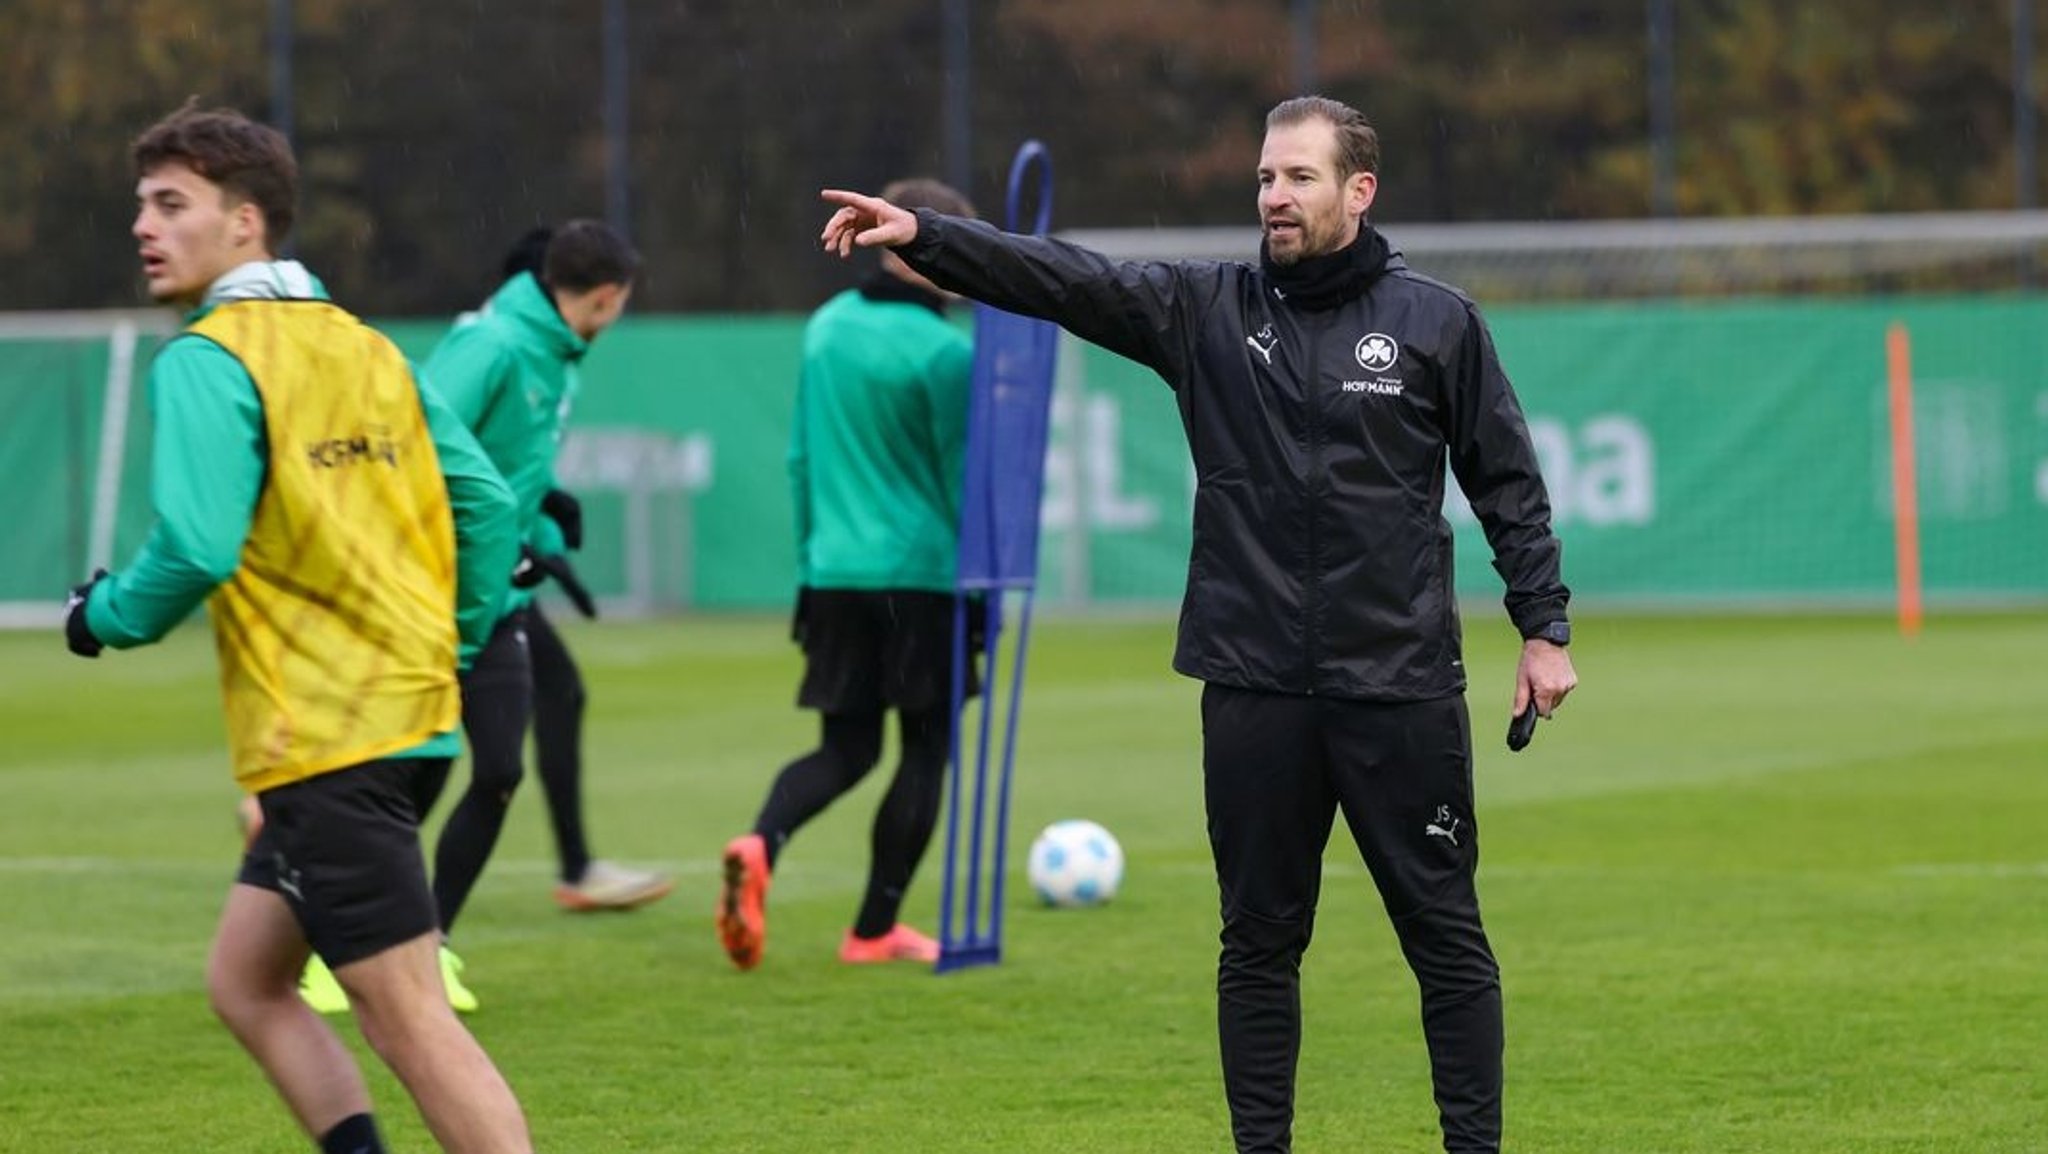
1131 308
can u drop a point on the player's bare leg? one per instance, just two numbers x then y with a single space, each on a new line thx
402 1006
252 979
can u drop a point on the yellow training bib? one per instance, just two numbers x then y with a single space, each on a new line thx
337 631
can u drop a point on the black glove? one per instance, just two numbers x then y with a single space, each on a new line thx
977 623
557 566
77 634
528 573
535 567
567 512
800 617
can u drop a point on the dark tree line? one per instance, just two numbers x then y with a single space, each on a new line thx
431 134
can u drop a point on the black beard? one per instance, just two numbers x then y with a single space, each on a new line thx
1295 257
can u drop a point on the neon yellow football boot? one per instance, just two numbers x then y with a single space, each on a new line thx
459 995
321 991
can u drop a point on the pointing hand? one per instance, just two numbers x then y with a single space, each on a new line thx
865 221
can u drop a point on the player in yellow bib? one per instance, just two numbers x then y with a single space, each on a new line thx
350 539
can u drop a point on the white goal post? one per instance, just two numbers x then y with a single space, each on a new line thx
117 334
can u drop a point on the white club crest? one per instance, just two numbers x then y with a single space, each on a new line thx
1377 352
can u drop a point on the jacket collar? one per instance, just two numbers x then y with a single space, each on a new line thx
883 287
261 280
525 305
1326 281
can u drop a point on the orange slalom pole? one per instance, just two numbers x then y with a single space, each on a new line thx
1905 488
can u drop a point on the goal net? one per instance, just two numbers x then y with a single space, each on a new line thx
1621 259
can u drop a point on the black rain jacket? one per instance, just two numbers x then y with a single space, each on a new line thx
1321 561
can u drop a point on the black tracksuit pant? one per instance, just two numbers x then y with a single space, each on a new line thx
559 700
523 673
497 703
1277 769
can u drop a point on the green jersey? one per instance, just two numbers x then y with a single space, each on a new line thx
875 449
509 373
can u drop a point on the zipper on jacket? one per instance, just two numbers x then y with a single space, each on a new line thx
1311 577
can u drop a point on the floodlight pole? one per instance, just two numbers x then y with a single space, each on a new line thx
1305 78
2025 142
959 116
1663 110
281 66
617 202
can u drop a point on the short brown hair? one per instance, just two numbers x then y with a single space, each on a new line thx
584 254
918 192
250 162
1358 146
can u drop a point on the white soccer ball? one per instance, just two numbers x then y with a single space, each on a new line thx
1076 863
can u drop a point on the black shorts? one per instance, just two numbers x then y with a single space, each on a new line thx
870 650
343 850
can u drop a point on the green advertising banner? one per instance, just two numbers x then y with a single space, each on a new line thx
1741 452
1698 455
77 485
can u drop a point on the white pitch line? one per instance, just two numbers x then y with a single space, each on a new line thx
226 865
1974 869
109 865
821 873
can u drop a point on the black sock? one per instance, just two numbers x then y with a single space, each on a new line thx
355 1134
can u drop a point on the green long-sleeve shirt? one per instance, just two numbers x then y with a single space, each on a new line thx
208 457
875 451
509 374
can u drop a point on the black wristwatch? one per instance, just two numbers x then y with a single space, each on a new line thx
1558 633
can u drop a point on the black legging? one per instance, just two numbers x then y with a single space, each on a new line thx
848 749
558 702
497 701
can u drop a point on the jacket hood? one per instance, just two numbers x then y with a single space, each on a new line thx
523 303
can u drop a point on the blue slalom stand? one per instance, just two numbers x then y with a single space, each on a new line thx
1008 416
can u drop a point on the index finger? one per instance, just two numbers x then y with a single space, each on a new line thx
850 199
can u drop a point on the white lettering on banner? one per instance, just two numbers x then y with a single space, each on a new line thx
1060 501
2041 467
635 460
1616 483
1965 461
1604 475
1966 455
1084 468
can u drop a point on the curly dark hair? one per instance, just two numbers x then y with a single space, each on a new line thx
250 162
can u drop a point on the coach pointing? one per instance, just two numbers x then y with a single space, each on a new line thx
1322 392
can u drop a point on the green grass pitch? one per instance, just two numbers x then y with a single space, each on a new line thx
1766 884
